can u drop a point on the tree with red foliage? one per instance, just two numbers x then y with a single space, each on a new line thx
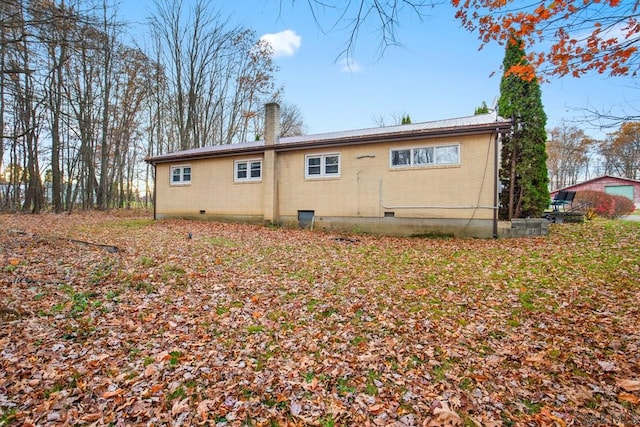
575 36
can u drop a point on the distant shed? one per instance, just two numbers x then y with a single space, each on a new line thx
629 188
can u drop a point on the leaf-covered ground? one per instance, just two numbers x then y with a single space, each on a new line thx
107 320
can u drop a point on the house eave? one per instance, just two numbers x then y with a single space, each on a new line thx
231 150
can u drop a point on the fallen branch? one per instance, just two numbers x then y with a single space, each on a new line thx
109 248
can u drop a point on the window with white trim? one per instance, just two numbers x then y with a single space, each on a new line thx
247 170
425 156
322 166
180 175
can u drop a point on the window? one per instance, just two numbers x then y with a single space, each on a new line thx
180 175
425 156
248 170
322 166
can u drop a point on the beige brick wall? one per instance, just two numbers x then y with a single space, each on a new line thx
365 180
212 189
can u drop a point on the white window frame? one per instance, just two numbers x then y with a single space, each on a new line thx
183 178
436 156
248 164
323 166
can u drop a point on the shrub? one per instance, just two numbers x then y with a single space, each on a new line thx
622 206
605 205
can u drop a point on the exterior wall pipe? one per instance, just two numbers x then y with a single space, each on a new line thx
155 191
496 182
427 206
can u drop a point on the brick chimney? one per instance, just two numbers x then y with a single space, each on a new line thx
271 123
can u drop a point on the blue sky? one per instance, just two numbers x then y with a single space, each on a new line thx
437 73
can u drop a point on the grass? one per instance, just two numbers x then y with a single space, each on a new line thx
386 325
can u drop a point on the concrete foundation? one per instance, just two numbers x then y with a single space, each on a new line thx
393 226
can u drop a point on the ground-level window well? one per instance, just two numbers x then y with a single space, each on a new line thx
305 218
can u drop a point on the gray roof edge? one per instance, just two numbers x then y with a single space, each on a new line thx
481 122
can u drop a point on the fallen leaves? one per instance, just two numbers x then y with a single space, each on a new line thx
112 393
629 385
246 324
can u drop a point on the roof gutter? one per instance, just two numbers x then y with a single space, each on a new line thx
359 140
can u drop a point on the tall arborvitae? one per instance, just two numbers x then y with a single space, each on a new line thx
524 160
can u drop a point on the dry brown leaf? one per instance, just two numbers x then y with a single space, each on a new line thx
113 393
629 385
376 409
444 416
150 370
203 408
180 406
295 408
339 320
91 417
156 388
628 397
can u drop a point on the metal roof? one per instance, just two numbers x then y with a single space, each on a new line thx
481 123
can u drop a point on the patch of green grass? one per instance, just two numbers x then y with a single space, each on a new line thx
54 389
440 371
220 241
273 403
145 286
133 224
175 358
10 268
343 387
327 421
101 271
526 298
146 261
311 304
303 274
466 384
178 393
8 416
328 312
221 309
514 320
532 407
358 340
254 329
175 269
309 376
371 388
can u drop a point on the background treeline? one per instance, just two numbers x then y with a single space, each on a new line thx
573 156
80 108
81 105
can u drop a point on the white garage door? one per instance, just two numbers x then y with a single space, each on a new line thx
620 190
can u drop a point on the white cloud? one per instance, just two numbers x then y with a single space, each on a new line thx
284 43
350 66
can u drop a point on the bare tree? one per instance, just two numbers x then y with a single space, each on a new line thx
27 119
396 119
291 121
568 152
370 16
217 76
621 151
54 32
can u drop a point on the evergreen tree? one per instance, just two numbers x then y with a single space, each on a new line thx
483 109
523 169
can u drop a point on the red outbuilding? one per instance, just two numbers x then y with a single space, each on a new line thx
629 188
